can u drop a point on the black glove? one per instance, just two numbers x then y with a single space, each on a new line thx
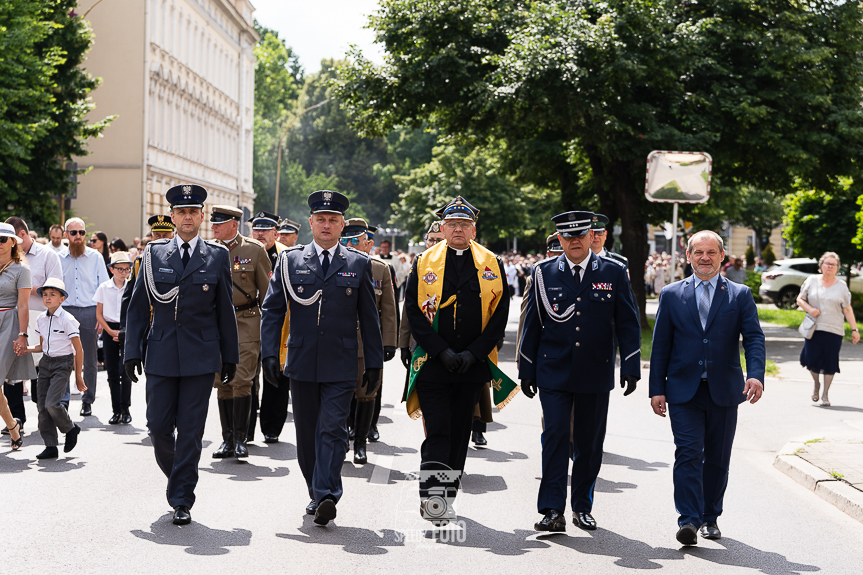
629 382
389 352
229 370
406 357
450 360
371 375
131 366
500 344
528 387
467 360
272 370
121 338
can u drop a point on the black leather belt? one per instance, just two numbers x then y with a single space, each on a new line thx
244 307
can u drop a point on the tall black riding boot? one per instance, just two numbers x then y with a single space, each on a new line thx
226 418
373 429
363 421
352 418
242 413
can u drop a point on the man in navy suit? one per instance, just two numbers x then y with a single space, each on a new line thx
327 287
577 303
695 375
192 336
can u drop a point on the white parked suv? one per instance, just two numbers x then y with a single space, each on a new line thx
780 284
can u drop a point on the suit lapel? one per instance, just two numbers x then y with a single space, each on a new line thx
337 262
689 298
312 261
174 259
719 299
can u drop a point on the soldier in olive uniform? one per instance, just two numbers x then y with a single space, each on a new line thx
250 274
355 235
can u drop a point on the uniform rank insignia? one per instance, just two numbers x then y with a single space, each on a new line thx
488 274
302 272
556 307
606 287
595 265
243 260
378 284
560 266
347 274
206 287
430 278
166 270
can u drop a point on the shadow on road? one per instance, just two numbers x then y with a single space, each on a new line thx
631 462
382 448
739 554
494 456
238 470
476 484
280 451
196 538
478 536
350 539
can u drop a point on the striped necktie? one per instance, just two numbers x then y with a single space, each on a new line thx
704 304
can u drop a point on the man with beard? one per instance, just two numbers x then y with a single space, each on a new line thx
83 271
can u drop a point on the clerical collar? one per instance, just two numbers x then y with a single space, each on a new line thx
459 252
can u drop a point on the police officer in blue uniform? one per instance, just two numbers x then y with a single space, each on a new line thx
328 287
193 336
567 352
599 227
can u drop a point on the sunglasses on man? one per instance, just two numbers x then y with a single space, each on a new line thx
352 241
76 232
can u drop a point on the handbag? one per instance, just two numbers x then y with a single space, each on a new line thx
807 326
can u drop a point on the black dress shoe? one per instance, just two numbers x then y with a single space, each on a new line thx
71 438
182 515
687 534
48 453
478 438
373 434
311 507
115 419
226 449
710 530
271 438
584 520
127 417
85 409
325 512
554 521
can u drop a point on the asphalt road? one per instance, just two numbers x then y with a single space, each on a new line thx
103 510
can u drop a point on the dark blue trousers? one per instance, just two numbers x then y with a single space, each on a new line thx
178 404
703 434
589 416
320 418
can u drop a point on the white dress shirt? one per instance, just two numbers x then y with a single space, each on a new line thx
57 332
193 243
320 251
44 263
581 267
82 276
109 295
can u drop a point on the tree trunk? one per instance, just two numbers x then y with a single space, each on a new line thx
634 231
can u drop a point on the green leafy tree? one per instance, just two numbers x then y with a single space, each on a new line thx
771 89
819 221
768 255
474 173
52 100
758 210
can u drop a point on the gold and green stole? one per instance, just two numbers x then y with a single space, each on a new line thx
430 271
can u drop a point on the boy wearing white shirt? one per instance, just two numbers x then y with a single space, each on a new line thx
60 344
107 298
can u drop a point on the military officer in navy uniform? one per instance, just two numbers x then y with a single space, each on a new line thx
288 230
567 352
192 336
328 288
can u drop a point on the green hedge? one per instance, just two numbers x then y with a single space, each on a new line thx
753 280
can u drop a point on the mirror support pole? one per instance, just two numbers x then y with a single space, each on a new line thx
674 237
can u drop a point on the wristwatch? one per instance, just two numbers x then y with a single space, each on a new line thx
23 334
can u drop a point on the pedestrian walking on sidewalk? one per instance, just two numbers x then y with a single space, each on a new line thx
826 299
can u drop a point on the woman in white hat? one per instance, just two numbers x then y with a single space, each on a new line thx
14 313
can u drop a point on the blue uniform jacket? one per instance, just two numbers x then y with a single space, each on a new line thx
323 347
203 335
577 355
681 346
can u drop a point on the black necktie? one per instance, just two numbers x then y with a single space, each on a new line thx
325 265
576 276
186 248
